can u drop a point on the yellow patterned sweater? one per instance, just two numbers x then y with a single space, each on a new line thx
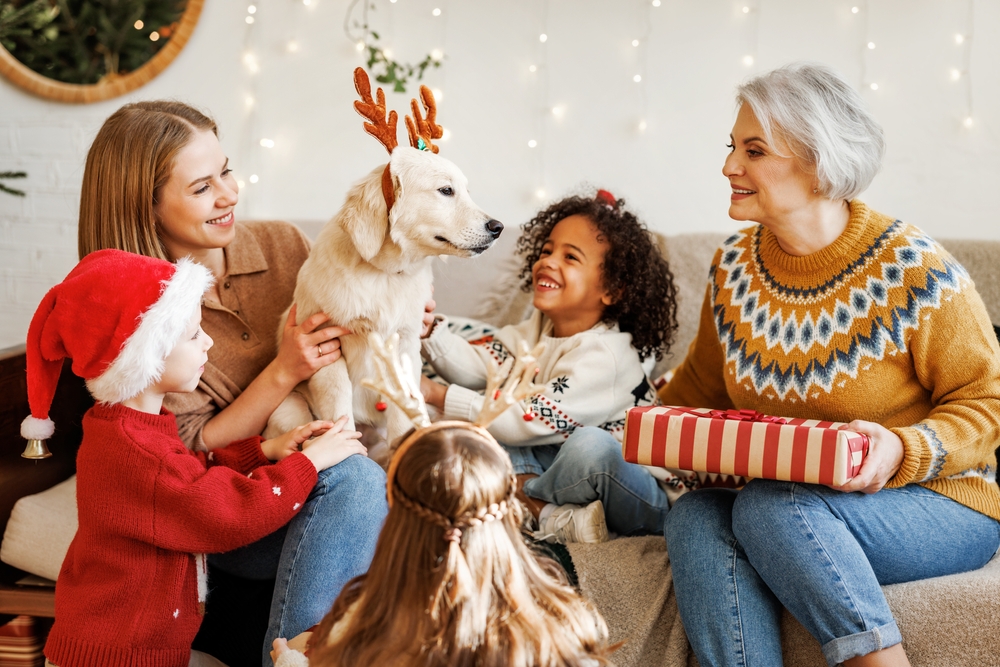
882 325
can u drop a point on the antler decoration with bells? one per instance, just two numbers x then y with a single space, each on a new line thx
383 127
394 373
506 385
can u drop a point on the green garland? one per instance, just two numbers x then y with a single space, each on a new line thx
385 70
83 41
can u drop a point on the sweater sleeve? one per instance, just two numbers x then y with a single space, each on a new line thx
243 456
455 359
582 393
218 509
956 357
699 381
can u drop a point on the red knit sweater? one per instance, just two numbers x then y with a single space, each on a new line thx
127 594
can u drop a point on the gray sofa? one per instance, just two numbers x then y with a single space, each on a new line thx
946 622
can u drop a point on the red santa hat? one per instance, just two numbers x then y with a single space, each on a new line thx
117 315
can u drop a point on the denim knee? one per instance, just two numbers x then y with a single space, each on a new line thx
357 479
592 449
759 507
697 515
686 515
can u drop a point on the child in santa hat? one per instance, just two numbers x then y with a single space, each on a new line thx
131 590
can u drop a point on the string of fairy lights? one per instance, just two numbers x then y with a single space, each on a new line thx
959 74
539 69
964 73
549 112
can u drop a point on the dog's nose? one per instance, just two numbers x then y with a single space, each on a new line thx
494 227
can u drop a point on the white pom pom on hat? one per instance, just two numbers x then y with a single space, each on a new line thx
37 429
117 316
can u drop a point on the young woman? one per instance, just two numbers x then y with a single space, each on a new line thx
158 183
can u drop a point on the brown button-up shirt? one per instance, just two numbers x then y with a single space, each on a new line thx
262 263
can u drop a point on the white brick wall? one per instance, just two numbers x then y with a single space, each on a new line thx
938 174
37 232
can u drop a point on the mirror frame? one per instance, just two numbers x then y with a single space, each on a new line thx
24 77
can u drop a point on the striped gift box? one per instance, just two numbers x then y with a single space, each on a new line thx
743 442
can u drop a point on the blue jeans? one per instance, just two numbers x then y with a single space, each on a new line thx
738 557
329 542
588 467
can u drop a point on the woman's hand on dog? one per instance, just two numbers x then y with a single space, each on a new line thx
333 445
305 348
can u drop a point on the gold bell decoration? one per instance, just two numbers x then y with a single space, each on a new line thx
36 449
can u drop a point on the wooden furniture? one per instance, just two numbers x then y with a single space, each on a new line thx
21 477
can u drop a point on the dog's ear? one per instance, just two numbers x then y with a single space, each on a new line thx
367 228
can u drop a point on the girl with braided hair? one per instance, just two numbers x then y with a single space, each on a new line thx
452 581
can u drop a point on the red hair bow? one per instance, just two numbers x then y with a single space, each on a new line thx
609 199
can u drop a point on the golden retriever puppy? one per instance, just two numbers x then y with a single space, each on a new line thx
372 272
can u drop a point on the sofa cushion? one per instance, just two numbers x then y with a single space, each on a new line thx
40 529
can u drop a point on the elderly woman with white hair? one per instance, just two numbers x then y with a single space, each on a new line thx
829 310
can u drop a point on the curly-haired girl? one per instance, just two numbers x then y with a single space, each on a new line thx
605 304
452 581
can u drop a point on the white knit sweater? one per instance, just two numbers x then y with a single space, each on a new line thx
590 379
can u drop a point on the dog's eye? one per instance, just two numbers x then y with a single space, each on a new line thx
447 192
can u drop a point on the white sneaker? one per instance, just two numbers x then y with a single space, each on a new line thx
574 523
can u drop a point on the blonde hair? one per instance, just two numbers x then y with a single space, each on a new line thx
130 160
452 581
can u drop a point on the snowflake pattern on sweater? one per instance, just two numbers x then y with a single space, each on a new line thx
590 378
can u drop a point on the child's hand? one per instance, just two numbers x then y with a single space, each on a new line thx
280 645
429 319
333 446
276 449
288 648
434 392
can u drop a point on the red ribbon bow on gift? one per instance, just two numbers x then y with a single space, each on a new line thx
747 416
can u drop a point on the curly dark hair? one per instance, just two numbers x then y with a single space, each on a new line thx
633 268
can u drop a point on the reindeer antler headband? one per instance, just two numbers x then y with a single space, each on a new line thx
506 385
422 131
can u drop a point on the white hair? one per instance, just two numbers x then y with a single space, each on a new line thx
824 122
